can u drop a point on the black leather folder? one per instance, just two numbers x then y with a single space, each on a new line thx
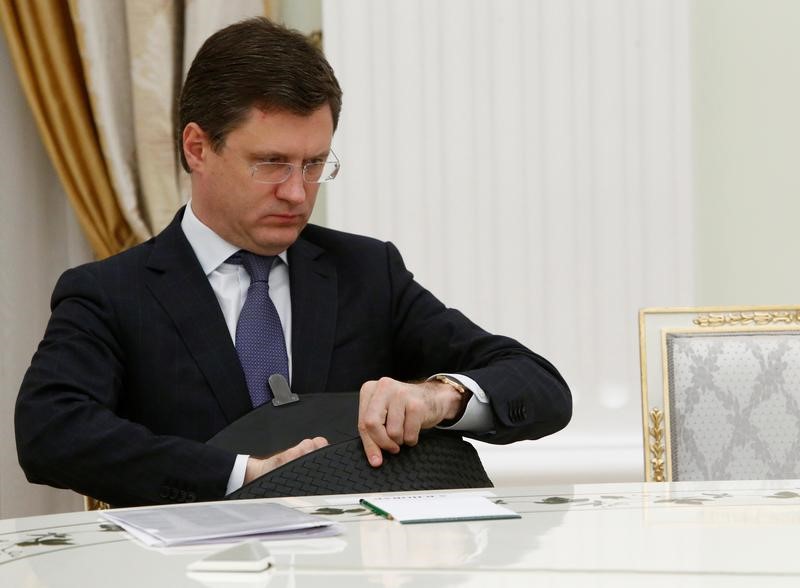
269 429
440 460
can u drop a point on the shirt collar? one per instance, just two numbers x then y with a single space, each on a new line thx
211 249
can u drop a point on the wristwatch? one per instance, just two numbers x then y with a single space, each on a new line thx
466 395
448 380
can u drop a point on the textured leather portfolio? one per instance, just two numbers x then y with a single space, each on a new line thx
440 460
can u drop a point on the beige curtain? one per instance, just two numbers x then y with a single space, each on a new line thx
128 50
135 53
102 80
44 49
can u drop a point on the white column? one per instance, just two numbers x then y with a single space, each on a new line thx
531 159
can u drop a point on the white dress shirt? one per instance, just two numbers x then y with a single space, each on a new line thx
230 283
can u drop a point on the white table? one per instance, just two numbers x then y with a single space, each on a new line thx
681 534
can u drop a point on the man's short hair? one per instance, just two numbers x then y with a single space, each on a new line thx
253 63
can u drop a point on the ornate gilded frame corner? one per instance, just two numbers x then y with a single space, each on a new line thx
655 433
90 503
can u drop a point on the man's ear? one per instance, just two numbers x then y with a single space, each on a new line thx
196 145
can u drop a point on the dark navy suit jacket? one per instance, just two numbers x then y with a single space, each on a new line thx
137 369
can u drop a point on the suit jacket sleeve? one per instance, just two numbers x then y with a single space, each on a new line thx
70 425
528 396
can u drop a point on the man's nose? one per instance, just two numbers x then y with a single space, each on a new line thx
294 188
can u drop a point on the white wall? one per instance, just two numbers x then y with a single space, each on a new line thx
39 238
747 150
532 161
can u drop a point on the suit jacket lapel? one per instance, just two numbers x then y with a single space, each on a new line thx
314 304
177 281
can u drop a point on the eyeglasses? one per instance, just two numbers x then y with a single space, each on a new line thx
314 172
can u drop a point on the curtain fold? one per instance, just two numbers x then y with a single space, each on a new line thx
102 79
101 30
155 36
44 49
134 53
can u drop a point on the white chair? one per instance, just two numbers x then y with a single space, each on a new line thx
720 392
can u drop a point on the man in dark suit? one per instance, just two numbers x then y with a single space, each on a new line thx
143 359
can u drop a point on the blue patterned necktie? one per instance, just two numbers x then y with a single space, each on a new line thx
259 334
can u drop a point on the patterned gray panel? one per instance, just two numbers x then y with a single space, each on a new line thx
734 402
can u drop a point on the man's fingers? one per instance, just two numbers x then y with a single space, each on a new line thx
372 430
411 428
258 466
373 414
319 442
392 413
371 450
309 445
395 422
304 447
364 396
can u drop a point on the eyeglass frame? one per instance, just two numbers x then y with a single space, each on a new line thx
291 167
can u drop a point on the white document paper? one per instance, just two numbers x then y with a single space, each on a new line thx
214 522
432 508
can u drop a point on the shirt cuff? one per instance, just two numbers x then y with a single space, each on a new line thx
477 417
236 479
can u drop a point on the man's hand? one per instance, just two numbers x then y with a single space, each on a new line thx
392 413
258 466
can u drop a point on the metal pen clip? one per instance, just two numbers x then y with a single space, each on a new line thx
281 393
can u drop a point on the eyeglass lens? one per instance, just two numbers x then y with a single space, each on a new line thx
313 173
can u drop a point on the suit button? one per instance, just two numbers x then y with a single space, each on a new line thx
517 412
163 492
173 493
191 497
